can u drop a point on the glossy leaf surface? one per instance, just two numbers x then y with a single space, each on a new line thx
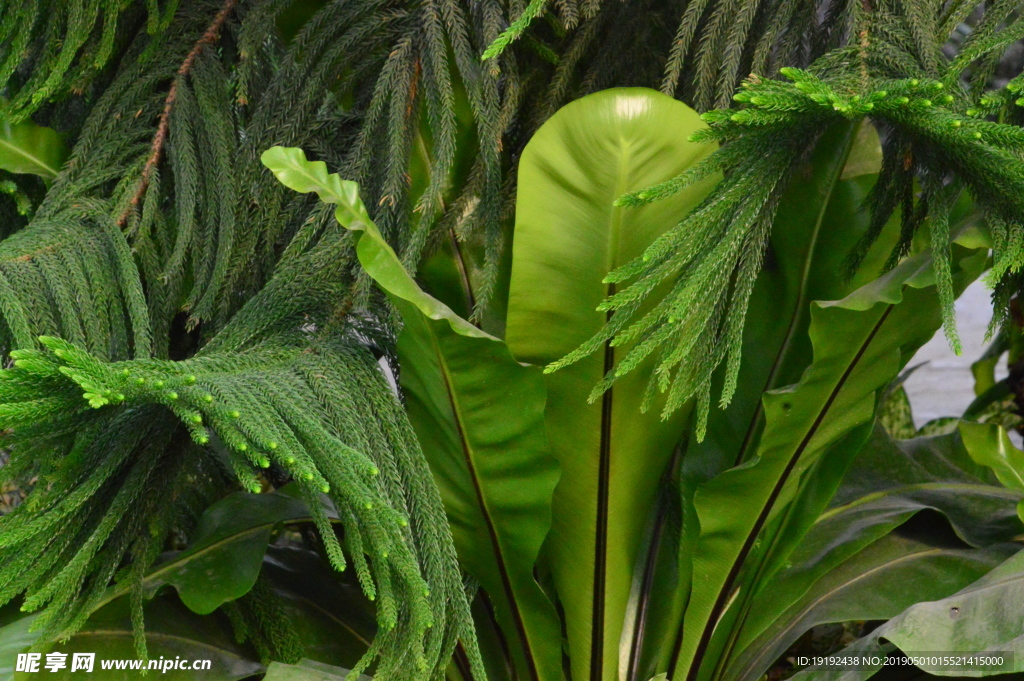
29 148
983 617
860 343
15 638
479 416
568 236
876 583
819 220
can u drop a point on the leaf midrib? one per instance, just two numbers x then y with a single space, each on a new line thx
600 576
38 162
469 452
724 591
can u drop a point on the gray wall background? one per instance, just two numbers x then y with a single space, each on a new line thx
944 386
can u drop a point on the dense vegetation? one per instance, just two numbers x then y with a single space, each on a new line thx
384 335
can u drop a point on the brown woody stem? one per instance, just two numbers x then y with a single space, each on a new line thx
210 36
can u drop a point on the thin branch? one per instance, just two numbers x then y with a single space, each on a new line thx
210 36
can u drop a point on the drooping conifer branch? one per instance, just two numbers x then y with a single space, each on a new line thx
713 255
164 215
160 138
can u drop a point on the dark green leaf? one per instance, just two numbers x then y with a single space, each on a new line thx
226 552
860 344
172 631
223 559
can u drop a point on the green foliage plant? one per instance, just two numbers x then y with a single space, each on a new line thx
451 417
771 528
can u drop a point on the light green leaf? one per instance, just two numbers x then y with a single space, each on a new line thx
29 148
985 617
568 236
806 263
308 670
15 637
989 445
984 369
866 154
479 416
379 260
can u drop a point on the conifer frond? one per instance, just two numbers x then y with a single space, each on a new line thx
317 408
517 28
714 254
51 47
288 383
164 237
73 275
171 147
165 168
16 201
260 618
106 490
